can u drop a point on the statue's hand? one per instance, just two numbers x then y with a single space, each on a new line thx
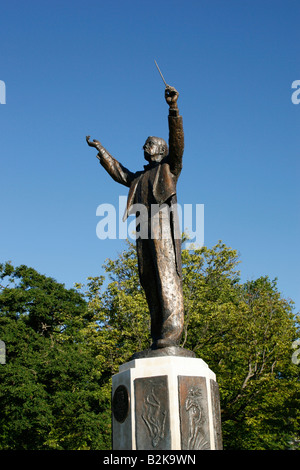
171 96
95 143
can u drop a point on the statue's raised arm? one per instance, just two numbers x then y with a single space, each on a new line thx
176 135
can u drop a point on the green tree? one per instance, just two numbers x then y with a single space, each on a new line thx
243 331
50 386
63 346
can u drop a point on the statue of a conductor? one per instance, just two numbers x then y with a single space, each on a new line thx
158 242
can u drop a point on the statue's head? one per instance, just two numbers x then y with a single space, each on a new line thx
155 149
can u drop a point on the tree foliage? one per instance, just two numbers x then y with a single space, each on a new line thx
64 345
50 386
244 332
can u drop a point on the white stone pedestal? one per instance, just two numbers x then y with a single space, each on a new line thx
166 403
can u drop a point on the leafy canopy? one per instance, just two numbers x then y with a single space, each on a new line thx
64 345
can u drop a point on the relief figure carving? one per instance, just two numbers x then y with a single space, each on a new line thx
196 438
155 418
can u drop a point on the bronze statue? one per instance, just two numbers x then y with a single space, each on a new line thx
158 247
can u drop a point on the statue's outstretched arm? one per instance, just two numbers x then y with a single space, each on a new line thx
117 171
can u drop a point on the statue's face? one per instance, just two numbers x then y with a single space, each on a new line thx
153 151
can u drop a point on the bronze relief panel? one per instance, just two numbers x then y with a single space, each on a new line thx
152 414
194 423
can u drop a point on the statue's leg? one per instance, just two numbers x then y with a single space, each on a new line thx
149 283
169 286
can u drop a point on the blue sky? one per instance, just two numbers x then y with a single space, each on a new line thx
73 68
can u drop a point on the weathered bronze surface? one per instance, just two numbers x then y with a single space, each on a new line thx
216 411
159 241
121 403
152 414
194 424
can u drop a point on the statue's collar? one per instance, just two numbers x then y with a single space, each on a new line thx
151 165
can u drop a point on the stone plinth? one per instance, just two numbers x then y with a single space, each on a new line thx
166 403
